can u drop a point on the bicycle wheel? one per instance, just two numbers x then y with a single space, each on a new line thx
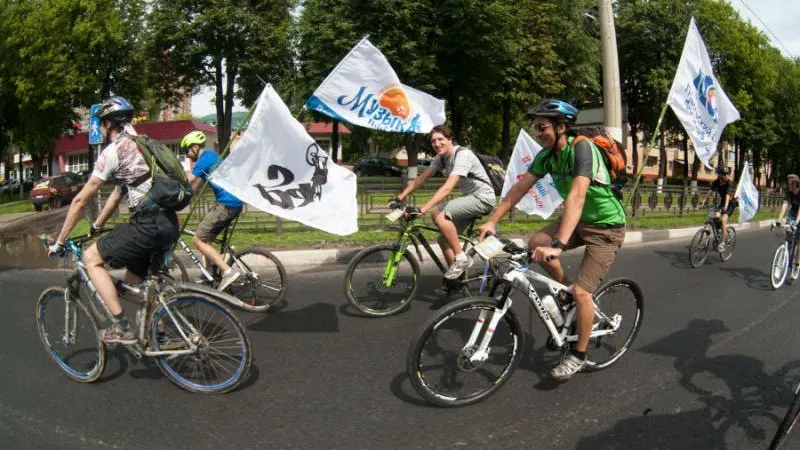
70 335
780 266
730 243
621 302
698 251
438 362
223 357
263 283
364 285
789 421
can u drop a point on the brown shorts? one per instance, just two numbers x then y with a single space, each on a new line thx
215 221
602 245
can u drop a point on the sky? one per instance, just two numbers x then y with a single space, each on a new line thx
780 17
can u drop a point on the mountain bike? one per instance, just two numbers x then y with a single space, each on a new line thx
784 257
263 280
382 279
196 341
469 349
709 237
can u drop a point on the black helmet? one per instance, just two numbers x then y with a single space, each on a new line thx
116 109
555 109
723 170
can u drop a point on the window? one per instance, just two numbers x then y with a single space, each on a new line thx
77 162
652 161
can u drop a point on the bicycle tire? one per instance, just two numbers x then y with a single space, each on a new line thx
96 356
730 244
377 294
592 363
415 360
181 305
779 268
263 285
698 249
788 422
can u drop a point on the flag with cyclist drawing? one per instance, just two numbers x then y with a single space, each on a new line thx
363 89
278 168
697 98
747 194
543 199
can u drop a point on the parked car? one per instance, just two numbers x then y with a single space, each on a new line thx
56 191
9 187
376 166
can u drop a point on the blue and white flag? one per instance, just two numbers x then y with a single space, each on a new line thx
278 168
543 199
364 90
747 194
697 98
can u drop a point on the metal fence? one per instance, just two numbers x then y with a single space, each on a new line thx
374 193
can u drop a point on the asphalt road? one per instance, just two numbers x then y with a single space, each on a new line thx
713 367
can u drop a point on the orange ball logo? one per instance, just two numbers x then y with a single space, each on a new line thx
395 100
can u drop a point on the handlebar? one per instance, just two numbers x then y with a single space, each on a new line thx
73 242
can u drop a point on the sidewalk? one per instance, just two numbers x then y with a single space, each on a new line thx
312 258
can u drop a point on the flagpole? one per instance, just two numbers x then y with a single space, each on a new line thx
646 154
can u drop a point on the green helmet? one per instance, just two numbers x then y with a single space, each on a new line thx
195 137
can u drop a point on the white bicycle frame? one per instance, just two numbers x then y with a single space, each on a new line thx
521 278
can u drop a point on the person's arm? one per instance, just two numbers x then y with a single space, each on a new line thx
199 172
513 196
784 208
76 207
441 193
112 202
573 207
416 183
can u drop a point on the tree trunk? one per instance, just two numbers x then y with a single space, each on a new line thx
635 149
335 141
224 100
685 145
505 140
757 167
662 155
695 167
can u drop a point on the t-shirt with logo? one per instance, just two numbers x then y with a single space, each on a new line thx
122 160
601 206
474 180
203 168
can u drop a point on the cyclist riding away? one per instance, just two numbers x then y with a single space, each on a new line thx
151 229
454 216
724 187
225 211
791 203
593 215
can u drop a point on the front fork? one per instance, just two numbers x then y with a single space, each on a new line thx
390 272
70 319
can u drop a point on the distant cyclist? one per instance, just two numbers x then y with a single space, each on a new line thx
791 204
225 211
724 187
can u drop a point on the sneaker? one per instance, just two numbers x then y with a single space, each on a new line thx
116 335
568 367
721 247
458 267
165 343
228 279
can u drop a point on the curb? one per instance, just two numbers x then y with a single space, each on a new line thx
308 258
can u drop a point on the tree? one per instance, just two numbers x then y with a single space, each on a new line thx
196 43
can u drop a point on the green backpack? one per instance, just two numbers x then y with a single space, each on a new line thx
170 189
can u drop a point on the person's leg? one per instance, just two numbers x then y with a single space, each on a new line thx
448 239
456 216
101 279
212 224
544 238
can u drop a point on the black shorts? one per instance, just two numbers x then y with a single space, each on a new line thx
731 207
132 245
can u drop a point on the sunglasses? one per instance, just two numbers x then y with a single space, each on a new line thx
540 127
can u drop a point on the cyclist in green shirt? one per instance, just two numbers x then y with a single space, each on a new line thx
593 215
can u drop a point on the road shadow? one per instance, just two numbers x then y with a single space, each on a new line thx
402 389
737 396
679 260
753 278
317 318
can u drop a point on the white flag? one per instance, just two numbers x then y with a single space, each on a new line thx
697 98
747 194
278 168
364 90
543 199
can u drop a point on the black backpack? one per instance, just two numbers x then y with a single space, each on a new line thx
170 190
494 168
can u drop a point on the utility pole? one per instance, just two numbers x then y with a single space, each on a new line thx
612 97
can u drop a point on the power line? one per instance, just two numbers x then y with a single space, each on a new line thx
767 28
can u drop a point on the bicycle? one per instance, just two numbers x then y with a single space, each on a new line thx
468 350
261 285
789 421
382 279
197 342
784 257
709 236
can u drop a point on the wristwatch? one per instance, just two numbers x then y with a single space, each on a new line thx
555 243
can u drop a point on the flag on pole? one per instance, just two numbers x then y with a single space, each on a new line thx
543 198
364 90
278 168
697 98
747 194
